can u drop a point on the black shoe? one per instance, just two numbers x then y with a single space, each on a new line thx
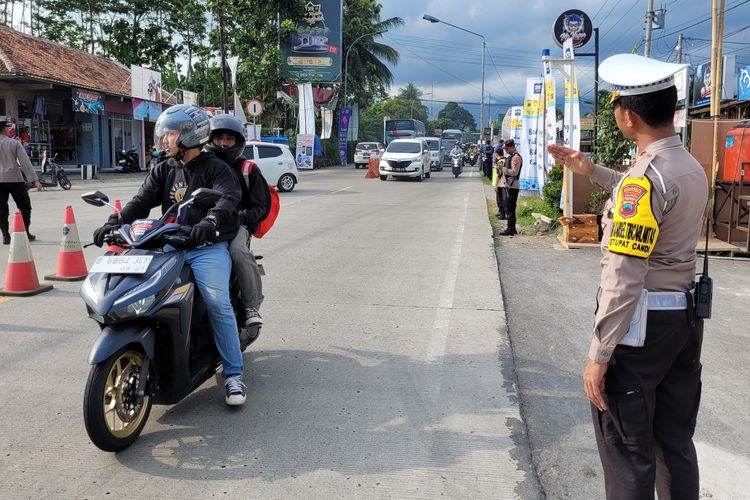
508 232
502 216
6 239
31 237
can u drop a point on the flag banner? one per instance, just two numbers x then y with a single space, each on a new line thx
304 156
326 118
532 110
572 120
516 124
306 109
550 117
354 123
344 115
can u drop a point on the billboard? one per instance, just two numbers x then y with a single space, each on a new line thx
702 81
146 110
743 84
312 53
145 83
87 101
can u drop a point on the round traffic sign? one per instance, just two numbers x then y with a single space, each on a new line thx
254 107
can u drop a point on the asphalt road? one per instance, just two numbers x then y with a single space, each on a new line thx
549 293
383 370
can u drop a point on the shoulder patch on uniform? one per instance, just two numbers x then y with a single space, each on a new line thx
634 227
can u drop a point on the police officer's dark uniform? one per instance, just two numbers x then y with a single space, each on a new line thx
651 227
509 185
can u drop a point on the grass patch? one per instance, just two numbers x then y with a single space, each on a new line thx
492 211
530 204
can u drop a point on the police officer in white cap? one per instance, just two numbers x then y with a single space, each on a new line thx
643 370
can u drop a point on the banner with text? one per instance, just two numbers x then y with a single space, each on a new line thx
87 101
344 116
550 116
572 120
305 143
528 147
312 53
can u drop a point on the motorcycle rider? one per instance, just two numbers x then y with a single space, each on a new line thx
487 151
227 142
180 132
457 152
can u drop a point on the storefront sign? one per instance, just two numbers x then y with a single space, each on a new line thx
573 24
145 83
743 84
87 101
146 110
313 52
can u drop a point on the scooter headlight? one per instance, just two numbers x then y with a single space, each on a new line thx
141 305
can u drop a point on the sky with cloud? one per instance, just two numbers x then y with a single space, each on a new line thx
446 62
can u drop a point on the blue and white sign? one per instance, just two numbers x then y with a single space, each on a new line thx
743 84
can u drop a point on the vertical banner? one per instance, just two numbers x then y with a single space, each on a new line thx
305 143
344 115
572 121
306 110
743 84
550 117
354 123
312 52
326 118
532 107
516 124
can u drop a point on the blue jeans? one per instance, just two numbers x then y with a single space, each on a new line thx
212 266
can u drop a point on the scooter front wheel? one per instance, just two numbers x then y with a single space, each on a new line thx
113 417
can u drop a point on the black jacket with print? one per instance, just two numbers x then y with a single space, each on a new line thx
170 182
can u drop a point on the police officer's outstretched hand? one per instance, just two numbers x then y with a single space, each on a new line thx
203 232
574 160
103 231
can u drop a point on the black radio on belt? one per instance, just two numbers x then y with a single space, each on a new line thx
704 289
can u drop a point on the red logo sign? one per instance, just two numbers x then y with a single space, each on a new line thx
630 196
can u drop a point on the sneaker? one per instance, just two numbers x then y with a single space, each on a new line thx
31 236
508 232
235 391
252 317
6 239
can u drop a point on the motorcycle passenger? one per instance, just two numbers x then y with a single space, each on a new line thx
228 143
180 132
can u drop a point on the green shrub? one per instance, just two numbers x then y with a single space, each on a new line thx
552 190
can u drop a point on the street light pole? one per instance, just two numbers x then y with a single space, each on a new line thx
346 59
433 19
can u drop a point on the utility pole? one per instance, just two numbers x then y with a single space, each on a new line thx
649 28
223 56
679 50
717 32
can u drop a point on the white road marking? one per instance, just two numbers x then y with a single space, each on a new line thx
439 336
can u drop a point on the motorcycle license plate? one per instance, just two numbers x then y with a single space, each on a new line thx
121 264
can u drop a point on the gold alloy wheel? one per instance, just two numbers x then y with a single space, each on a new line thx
121 413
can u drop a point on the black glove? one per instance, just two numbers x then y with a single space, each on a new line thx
103 231
242 218
203 232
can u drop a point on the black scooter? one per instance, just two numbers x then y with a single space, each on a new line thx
129 161
156 345
53 176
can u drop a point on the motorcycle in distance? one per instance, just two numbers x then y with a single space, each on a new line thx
472 155
457 164
156 344
129 161
154 160
53 175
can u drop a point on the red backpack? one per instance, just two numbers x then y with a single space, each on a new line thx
273 212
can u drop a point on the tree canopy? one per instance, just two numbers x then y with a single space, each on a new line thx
461 118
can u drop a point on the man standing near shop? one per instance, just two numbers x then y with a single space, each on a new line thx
643 370
14 165
510 172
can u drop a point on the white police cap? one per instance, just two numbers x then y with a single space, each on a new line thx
631 74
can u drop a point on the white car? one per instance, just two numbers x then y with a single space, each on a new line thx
276 162
406 158
434 144
366 150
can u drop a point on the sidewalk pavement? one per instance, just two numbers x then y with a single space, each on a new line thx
549 296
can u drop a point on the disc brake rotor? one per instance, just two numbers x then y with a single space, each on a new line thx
126 406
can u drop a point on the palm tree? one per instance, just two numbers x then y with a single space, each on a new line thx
368 75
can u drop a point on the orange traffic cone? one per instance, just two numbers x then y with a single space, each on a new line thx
115 248
71 264
373 168
21 279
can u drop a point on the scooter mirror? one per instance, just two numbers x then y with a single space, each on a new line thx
205 196
96 198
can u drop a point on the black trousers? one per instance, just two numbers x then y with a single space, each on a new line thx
645 438
21 196
500 195
487 168
510 198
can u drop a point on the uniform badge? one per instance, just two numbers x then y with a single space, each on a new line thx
631 194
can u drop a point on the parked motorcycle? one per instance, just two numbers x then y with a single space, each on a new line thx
129 161
156 345
53 175
457 165
154 160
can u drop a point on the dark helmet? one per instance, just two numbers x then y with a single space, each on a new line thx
191 122
227 124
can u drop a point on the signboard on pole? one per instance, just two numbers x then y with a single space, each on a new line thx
572 24
254 108
305 143
344 116
313 52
